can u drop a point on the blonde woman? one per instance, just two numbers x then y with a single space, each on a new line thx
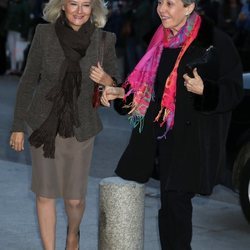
54 101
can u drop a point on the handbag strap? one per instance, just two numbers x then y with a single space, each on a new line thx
101 47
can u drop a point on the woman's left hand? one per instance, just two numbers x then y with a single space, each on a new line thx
194 84
111 93
98 75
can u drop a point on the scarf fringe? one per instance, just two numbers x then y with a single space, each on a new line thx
66 128
49 149
43 137
168 120
136 120
159 115
64 113
164 136
141 81
64 95
128 106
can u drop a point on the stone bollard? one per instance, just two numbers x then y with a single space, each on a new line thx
121 214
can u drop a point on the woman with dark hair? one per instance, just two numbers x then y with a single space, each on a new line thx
228 15
179 99
55 100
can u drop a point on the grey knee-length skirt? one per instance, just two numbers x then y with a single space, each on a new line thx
66 175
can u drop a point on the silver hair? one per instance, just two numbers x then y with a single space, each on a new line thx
53 10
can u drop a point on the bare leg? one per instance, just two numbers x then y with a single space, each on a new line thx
46 212
74 210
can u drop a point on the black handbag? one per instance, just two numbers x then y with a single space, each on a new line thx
207 65
96 98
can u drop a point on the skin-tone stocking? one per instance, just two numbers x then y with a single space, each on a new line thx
46 212
74 210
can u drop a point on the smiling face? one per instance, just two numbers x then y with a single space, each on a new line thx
173 14
77 12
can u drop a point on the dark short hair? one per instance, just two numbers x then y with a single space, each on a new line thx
188 2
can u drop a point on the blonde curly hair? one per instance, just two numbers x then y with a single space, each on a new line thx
53 10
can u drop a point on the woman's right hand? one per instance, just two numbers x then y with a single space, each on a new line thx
17 141
98 75
111 93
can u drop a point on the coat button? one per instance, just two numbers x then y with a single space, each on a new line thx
188 123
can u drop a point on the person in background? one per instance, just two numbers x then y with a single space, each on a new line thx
243 25
209 8
3 57
116 18
36 18
117 14
37 12
55 101
228 15
242 36
136 26
17 27
179 99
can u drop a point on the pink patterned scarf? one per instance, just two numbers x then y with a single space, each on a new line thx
141 80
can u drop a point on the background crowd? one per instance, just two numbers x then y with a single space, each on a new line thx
133 22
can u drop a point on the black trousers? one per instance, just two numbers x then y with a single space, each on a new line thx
175 220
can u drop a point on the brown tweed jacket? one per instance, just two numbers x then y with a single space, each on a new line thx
42 73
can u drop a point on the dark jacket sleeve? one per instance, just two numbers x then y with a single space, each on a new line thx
225 93
123 106
28 82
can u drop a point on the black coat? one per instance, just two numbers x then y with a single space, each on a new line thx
201 122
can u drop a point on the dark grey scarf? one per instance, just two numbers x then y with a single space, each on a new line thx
64 113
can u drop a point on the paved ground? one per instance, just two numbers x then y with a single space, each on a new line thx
218 221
